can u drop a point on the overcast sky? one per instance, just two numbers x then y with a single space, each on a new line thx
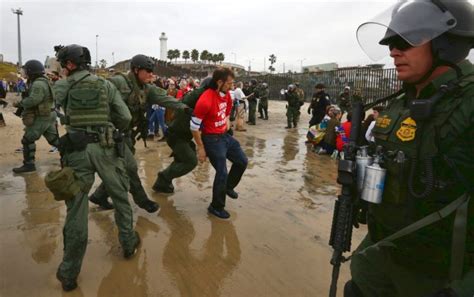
317 31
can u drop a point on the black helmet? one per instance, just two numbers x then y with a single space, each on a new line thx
448 24
77 54
33 67
142 62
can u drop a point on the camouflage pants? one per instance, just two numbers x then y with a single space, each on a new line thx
185 159
111 170
136 188
292 115
41 127
252 111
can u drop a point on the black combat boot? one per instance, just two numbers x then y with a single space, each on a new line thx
68 284
148 205
232 194
128 253
162 185
25 168
101 202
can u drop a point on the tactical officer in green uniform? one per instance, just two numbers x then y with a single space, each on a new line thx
180 140
138 93
253 102
344 100
293 107
94 110
263 103
426 137
38 114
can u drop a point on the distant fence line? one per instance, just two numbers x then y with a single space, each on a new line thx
373 82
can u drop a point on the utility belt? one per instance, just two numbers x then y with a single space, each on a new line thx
77 140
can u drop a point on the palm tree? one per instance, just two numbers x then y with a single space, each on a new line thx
185 56
177 53
103 63
272 60
204 55
170 54
221 57
194 55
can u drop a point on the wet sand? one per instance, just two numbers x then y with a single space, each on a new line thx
275 244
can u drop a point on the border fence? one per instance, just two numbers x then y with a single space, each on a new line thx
374 82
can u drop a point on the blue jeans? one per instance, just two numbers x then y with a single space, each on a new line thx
219 148
156 119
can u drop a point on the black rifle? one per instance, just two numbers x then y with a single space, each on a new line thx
19 110
347 204
142 128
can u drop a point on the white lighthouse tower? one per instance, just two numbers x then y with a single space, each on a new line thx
163 46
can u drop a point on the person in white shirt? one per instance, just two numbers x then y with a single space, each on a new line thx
375 111
239 101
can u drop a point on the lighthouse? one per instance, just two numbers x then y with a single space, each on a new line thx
163 46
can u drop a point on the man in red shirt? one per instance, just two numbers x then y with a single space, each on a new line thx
209 126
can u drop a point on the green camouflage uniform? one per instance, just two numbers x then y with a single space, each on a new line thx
253 104
344 101
38 117
180 140
137 98
92 106
292 109
263 103
419 263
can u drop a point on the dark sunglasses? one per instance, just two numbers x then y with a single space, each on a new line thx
399 43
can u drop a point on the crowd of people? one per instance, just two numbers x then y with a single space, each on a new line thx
416 201
248 97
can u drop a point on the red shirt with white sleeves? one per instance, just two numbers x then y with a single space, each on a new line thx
211 112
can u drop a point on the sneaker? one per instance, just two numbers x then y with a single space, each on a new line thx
322 151
232 194
68 284
19 150
220 213
150 136
127 254
288 127
102 203
149 205
53 149
25 168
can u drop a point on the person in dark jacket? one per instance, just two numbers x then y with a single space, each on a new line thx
317 107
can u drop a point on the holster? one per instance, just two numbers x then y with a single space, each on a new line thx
119 143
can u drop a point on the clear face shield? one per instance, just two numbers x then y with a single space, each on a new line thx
416 22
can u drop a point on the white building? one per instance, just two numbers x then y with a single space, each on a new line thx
320 67
163 47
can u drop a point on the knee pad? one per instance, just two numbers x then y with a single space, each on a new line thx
352 290
25 141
